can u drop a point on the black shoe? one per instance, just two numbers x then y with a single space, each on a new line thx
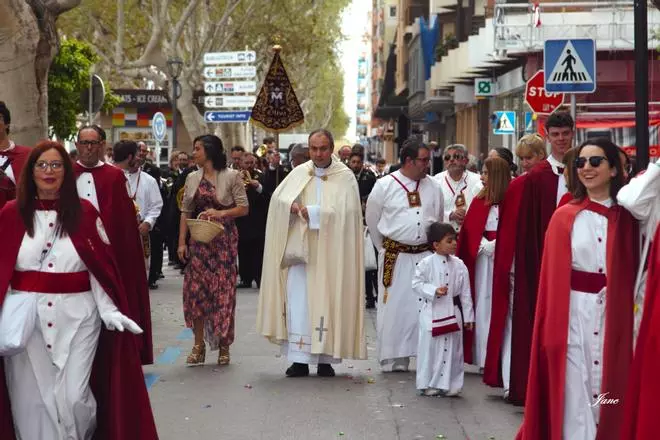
244 286
153 286
325 370
161 276
170 263
297 370
371 304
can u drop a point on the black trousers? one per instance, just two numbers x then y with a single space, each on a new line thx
156 261
371 287
250 259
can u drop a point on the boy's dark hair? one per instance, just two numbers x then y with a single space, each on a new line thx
269 140
123 149
6 114
559 120
437 231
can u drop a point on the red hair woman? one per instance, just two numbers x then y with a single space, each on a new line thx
57 272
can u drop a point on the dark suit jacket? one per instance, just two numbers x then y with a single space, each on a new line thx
253 225
272 178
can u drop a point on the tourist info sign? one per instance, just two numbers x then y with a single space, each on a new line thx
229 101
246 56
226 116
212 87
570 66
230 72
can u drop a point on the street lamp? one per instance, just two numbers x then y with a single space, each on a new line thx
174 66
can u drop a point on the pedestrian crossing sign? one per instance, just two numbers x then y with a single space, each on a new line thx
570 66
529 122
505 123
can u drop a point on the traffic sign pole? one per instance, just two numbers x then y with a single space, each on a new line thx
641 85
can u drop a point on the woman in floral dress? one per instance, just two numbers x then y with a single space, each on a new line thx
209 286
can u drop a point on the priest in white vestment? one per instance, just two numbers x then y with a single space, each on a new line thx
312 290
441 279
400 209
642 198
459 186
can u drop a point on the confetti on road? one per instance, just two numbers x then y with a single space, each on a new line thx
341 433
207 406
248 386
398 405
371 380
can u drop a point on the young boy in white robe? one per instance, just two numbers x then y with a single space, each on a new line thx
439 279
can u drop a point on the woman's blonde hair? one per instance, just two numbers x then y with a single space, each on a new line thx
499 176
531 144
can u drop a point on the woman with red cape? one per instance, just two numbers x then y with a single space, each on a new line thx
476 247
583 332
71 371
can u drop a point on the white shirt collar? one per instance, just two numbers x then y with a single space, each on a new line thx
9 148
555 164
98 164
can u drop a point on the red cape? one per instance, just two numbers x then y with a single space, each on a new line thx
468 247
544 406
641 407
507 231
124 411
18 156
565 199
118 214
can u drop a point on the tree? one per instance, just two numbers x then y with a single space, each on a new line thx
134 47
68 77
28 43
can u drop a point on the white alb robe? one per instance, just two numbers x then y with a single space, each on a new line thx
440 358
483 286
299 346
388 214
469 185
642 198
584 363
48 383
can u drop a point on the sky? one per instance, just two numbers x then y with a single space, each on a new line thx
354 25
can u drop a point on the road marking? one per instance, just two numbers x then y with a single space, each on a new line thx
168 356
150 379
185 335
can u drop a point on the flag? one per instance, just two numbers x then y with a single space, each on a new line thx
277 108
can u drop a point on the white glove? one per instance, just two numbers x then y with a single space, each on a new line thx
487 247
115 320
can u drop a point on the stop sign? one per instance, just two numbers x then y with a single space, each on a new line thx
538 99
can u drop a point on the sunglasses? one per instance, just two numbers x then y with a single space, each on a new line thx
594 161
449 157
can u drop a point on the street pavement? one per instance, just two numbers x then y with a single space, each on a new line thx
251 399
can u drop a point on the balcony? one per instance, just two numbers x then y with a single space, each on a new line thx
610 23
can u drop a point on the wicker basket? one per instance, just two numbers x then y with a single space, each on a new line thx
203 231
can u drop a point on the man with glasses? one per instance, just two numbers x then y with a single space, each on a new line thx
104 186
400 209
459 186
524 217
12 158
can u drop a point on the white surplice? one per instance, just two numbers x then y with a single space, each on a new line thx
483 286
561 182
642 198
144 190
86 186
48 383
440 358
388 214
469 185
584 363
298 349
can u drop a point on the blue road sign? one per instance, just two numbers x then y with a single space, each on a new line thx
505 123
570 66
227 116
529 122
159 127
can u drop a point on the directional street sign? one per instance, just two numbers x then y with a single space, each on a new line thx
159 127
538 99
229 101
570 65
227 116
247 56
212 87
505 123
230 72
484 87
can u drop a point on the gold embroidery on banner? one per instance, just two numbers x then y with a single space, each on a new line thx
392 251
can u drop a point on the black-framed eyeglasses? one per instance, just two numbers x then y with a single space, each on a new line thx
55 165
449 157
594 161
89 143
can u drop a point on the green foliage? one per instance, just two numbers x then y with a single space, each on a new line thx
67 78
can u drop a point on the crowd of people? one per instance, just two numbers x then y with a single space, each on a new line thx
545 280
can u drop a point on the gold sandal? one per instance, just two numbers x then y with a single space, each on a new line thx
223 355
197 356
